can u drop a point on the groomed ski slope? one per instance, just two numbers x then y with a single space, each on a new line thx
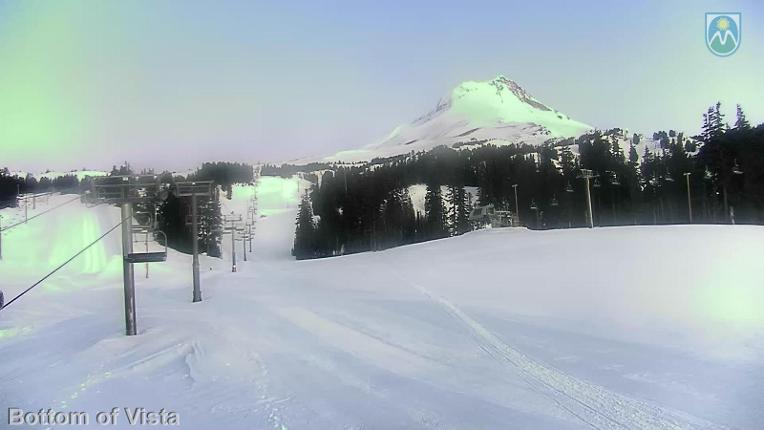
616 328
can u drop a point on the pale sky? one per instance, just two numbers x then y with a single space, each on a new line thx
170 84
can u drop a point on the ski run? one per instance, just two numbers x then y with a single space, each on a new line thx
495 329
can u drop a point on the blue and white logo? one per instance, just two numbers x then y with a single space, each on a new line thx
723 33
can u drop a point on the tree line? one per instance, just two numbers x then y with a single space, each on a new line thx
12 185
353 208
174 211
169 215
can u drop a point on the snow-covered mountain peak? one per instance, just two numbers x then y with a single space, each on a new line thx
503 85
496 92
498 111
505 101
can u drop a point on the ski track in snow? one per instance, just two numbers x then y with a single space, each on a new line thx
596 406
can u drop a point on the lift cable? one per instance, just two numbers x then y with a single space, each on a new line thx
40 214
63 264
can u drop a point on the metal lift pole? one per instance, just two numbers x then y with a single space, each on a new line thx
195 249
127 268
233 247
586 175
589 214
146 243
194 190
244 245
517 204
689 198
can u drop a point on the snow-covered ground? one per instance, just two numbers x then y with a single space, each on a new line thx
613 328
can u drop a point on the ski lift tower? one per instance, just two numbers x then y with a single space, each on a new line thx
586 175
250 234
194 190
126 191
231 223
244 238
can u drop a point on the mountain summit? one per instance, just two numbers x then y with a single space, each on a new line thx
498 112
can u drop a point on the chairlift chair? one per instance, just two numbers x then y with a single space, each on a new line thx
707 174
149 257
736 168
615 180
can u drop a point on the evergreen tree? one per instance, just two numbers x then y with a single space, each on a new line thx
741 123
713 123
304 240
367 206
397 219
706 127
617 151
717 121
31 184
435 213
9 187
212 225
567 162
459 210
633 157
408 224
172 221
